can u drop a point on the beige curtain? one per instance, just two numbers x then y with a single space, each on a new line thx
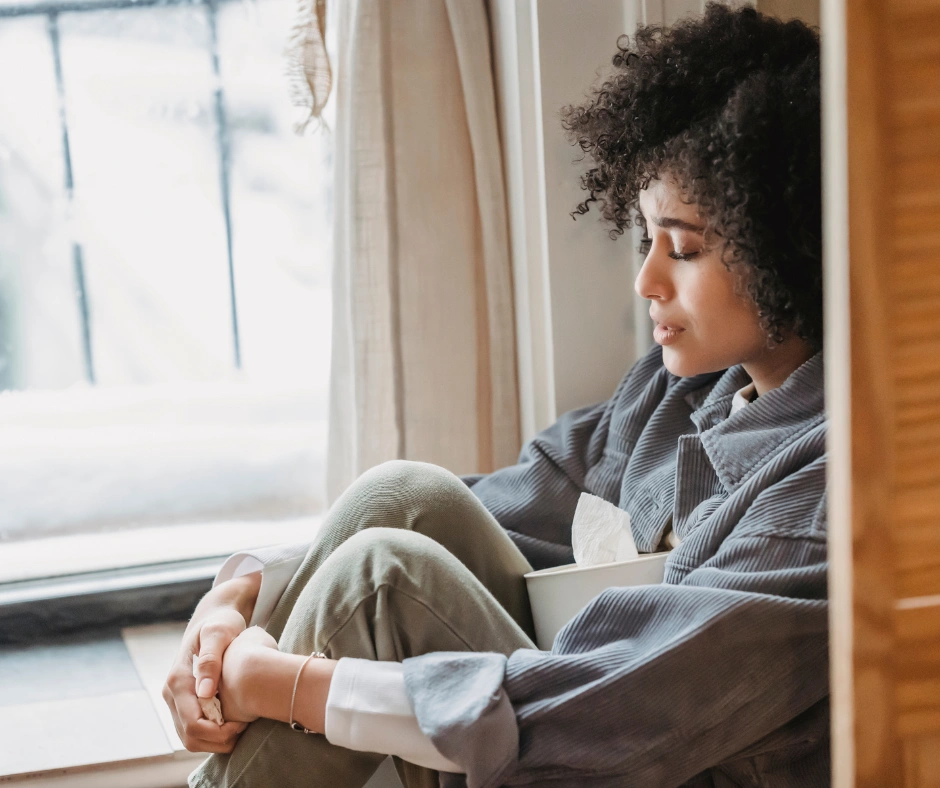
423 340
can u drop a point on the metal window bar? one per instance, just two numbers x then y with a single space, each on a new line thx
52 10
77 261
222 138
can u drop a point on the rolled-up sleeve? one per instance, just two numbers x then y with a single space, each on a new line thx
277 565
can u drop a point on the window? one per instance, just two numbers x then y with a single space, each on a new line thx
165 242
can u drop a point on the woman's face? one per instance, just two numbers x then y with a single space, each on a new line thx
703 320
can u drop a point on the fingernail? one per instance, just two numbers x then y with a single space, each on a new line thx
205 688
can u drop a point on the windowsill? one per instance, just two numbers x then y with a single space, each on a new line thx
59 556
100 721
153 772
152 584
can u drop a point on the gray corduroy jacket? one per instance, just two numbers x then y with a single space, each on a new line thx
717 677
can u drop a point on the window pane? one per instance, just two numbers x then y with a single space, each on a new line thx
174 452
139 90
40 344
281 203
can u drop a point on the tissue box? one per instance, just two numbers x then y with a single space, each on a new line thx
558 594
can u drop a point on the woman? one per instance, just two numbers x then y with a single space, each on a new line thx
708 135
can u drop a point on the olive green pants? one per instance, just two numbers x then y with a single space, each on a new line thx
407 562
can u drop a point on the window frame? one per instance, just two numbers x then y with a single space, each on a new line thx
144 593
579 325
34 609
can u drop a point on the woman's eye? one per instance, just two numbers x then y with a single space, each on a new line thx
645 245
681 256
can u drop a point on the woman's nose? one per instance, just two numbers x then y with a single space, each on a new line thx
652 282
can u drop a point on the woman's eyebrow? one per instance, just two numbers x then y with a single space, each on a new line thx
668 222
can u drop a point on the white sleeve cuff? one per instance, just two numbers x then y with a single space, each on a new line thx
277 566
367 709
236 566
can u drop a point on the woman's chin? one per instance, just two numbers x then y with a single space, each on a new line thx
679 364
686 364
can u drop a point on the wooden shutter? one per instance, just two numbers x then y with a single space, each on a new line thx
882 196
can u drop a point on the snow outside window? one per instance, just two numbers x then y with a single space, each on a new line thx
165 241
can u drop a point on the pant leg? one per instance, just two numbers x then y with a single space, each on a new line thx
429 500
407 562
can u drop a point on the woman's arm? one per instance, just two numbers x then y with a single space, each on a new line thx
648 686
356 703
656 684
245 592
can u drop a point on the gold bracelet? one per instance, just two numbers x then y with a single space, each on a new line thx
296 725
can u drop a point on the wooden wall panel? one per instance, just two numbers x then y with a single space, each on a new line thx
917 669
892 72
807 10
910 117
922 762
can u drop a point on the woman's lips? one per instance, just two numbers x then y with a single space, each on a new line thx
665 335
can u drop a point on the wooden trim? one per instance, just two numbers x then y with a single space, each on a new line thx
514 28
838 391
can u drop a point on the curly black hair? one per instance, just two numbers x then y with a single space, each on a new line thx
728 105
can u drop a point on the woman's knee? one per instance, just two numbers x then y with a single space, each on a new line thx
367 561
407 475
380 557
375 552
404 485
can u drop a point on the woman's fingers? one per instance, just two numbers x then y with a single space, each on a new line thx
234 730
199 734
215 636
207 667
223 739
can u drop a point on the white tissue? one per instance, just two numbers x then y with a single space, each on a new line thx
211 709
600 533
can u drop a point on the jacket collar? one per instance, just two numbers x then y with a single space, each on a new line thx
738 445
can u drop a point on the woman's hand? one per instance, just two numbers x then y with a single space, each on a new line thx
219 618
243 674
